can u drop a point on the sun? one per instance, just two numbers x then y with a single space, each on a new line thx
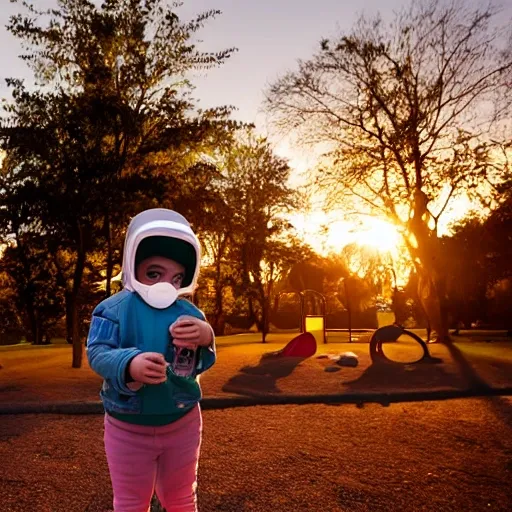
370 231
326 234
379 234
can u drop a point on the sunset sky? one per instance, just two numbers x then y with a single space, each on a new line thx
270 36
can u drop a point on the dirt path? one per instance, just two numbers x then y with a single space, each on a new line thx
443 456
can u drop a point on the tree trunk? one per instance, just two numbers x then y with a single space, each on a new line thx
73 328
34 330
432 289
27 294
40 334
349 310
31 331
218 318
431 281
72 322
77 342
254 317
265 319
263 297
110 262
429 296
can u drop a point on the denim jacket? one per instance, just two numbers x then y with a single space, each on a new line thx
124 326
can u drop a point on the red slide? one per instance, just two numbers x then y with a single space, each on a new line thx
303 345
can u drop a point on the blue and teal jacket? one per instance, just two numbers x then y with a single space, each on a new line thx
124 326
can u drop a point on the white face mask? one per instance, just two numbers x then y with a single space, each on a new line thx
159 295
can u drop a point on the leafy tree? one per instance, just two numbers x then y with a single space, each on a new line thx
35 296
11 328
477 259
309 274
218 240
405 113
498 238
257 195
110 126
371 266
465 259
277 259
26 259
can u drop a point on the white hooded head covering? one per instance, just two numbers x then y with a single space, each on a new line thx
182 244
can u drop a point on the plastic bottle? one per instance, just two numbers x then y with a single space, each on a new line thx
183 363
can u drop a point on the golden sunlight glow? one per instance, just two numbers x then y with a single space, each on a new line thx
326 235
378 234
413 241
459 209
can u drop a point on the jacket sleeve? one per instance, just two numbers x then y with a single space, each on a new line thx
207 355
105 356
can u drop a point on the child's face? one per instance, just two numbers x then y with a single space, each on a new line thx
157 269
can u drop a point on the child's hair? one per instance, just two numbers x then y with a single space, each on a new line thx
171 248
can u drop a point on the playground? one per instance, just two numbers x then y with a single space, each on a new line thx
272 438
252 371
303 454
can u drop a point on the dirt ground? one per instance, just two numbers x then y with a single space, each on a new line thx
429 456
453 455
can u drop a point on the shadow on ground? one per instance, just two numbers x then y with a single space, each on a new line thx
500 405
430 375
424 375
262 378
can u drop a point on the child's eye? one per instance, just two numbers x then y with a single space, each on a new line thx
177 280
153 275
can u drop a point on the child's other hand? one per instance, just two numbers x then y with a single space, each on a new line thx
134 386
189 329
148 368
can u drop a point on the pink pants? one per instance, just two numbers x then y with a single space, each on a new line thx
144 459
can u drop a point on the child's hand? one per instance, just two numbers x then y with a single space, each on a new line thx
148 368
134 386
189 329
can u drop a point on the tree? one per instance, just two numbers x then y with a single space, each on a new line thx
11 328
277 259
217 241
110 125
477 258
405 114
465 260
497 230
35 294
258 195
26 258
